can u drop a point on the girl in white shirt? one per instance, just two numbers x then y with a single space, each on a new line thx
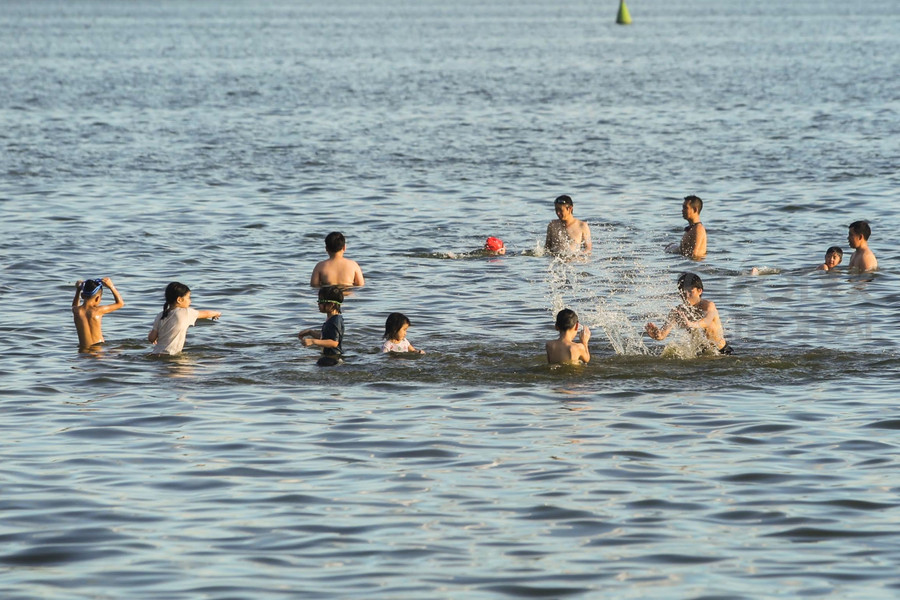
395 335
171 325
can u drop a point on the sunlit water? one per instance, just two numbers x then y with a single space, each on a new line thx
217 143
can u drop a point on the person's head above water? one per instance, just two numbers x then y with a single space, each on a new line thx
493 244
861 228
694 203
564 208
335 242
689 281
91 288
833 256
174 291
394 324
332 296
566 319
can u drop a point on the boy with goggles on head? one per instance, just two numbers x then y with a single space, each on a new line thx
89 314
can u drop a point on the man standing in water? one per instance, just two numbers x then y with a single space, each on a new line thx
693 242
567 235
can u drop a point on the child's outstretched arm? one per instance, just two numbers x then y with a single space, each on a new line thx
411 349
209 314
78 285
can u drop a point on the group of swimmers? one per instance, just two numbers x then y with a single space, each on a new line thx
566 236
695 313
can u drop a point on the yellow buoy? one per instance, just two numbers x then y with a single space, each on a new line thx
623 18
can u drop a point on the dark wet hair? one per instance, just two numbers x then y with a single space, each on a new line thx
689 281
331 294
91 287
335 242
563 200
174 291
694 202
861 228
566 319
836 249
393 324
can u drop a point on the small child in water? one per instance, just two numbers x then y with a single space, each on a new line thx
89 314
695 313
331 335
171 324
395 334
833 257
565 350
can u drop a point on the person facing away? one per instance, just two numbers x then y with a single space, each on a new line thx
693 242
695 313
566 234
336 269
170 326
395 334
88 315
863 259
565 350
833 257
330 337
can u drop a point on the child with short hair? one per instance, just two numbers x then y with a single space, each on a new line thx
170 326
89 315
863 259
565 350
694 314
395 334
833 257
330 337
336 269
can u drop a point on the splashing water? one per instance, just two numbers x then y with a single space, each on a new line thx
605 292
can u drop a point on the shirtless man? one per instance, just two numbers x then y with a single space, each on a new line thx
863 259
693 242
89 314
567 235
695 313
336 270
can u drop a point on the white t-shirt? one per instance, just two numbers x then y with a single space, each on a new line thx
172 330
392 346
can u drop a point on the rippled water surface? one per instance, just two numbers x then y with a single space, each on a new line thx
217 143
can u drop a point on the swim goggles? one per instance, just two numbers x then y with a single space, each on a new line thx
330 302
98 286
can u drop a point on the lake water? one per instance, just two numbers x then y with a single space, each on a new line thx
217 143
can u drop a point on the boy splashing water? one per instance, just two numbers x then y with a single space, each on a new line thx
694 314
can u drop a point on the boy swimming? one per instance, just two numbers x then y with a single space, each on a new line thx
863 259
89 315
565 350
833 257
566 234
336 270
694 314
